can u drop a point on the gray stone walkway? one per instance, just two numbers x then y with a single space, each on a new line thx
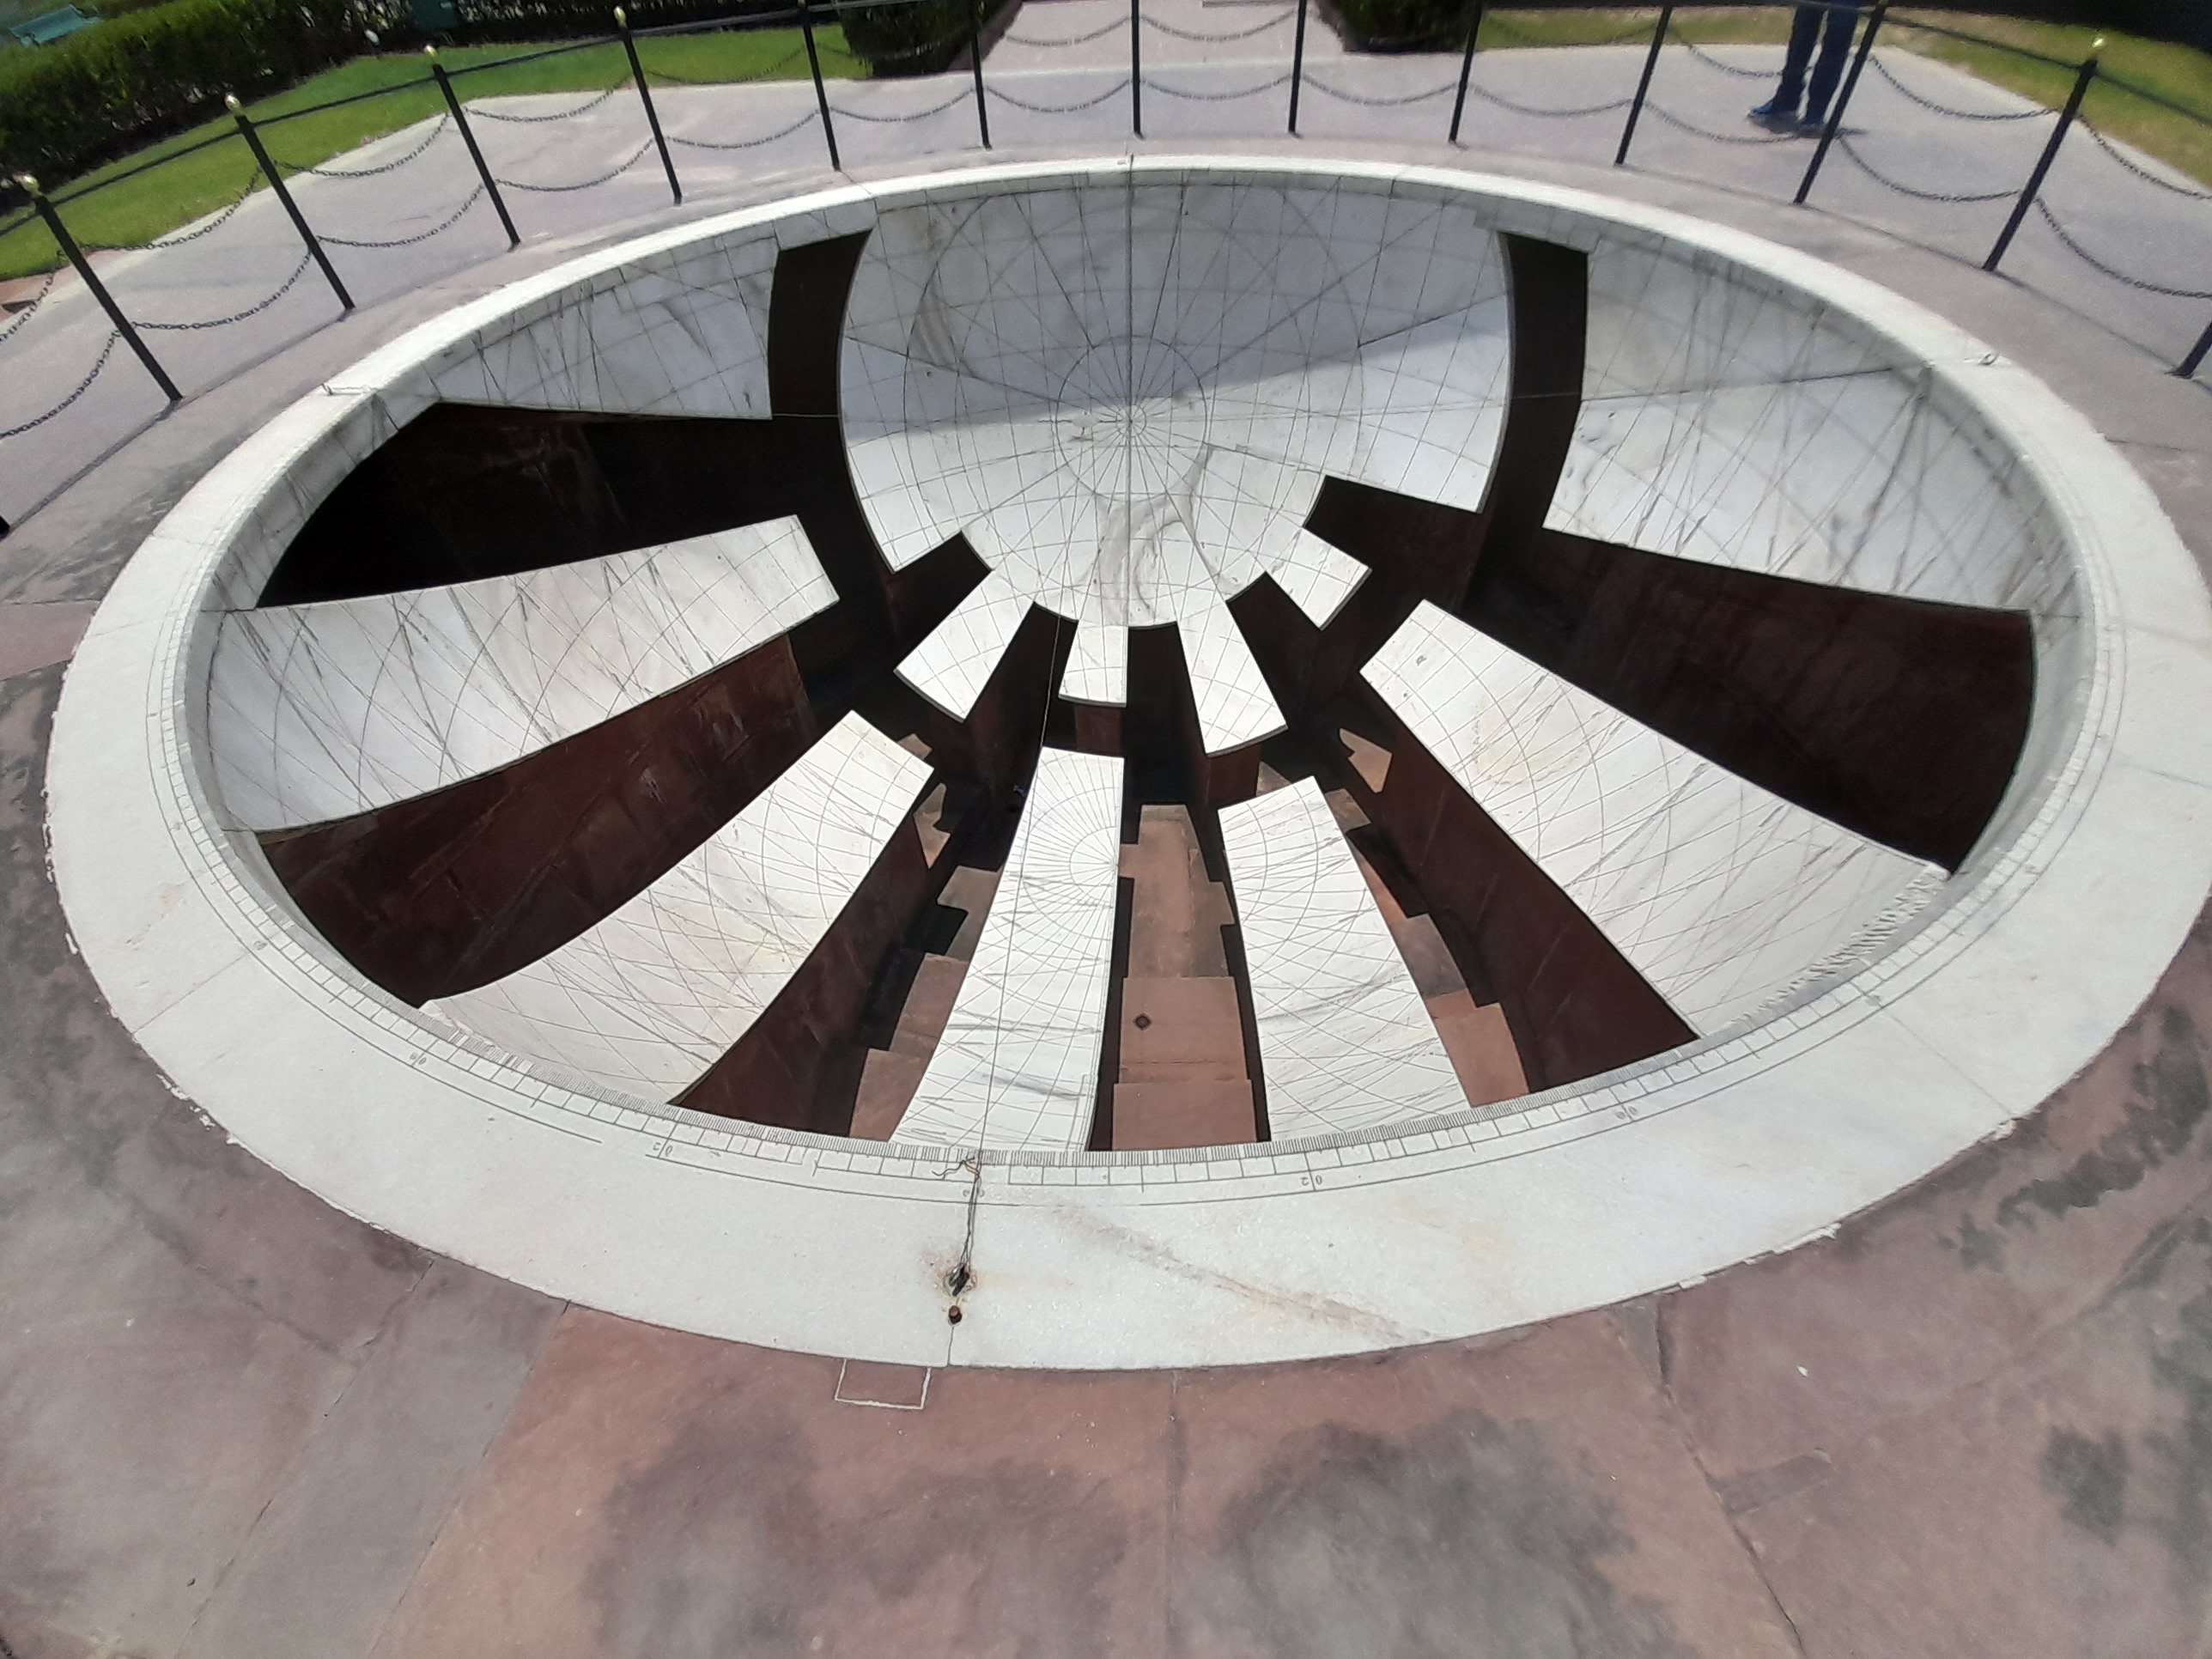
389 210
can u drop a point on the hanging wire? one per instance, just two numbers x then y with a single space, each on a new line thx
255 310
959 97
2092 260
1341 96
1113 91
1537 109
2143 172
25 311
1276 21
439 230
1957 199
176 239
82 386
1281 79
1677 122
1928 103
482 113
1707 58
771 72
636 156
393 166
747 143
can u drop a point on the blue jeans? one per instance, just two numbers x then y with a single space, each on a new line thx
1833 28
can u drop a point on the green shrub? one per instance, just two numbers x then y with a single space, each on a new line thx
70 106
911 38
115 8
1405 25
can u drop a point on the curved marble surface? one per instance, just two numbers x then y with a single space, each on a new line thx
1125 393
1345 1043
646 1001
319 711
1725 896
2041 944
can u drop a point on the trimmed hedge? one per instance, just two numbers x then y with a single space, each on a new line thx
102 91
918 40
484 20
912 38
1405 25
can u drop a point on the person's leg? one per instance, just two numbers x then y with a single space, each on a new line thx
1804 30
1835 50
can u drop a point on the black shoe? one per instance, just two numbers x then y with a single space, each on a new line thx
1773 114
1813 126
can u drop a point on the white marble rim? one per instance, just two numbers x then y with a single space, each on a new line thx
2051 938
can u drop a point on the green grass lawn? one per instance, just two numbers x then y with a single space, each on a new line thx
162 199
2180 73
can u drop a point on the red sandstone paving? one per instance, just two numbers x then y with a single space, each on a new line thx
1934 1290
1525 1496
2057 1509
664 1495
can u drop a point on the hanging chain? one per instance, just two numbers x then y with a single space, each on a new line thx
82 386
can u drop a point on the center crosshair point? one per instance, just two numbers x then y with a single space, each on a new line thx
1131 422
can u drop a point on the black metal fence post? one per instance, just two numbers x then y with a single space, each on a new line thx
976 62
1136 69
1644 86
276 183
645 96
2088 73
1297 65
99 289
1466 66
1842 99
468 138
821 92
2194 359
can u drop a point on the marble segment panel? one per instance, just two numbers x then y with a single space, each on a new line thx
1318 578
686 336
1724 896
1728 421
1345 1041
1097 663
1669 320
1126 395
647 999
951 667
1235 706
1017 1064
321 711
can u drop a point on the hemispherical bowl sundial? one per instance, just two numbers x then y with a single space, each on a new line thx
1222 762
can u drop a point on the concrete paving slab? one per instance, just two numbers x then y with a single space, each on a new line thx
1528 1496
657 1496
328 1560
